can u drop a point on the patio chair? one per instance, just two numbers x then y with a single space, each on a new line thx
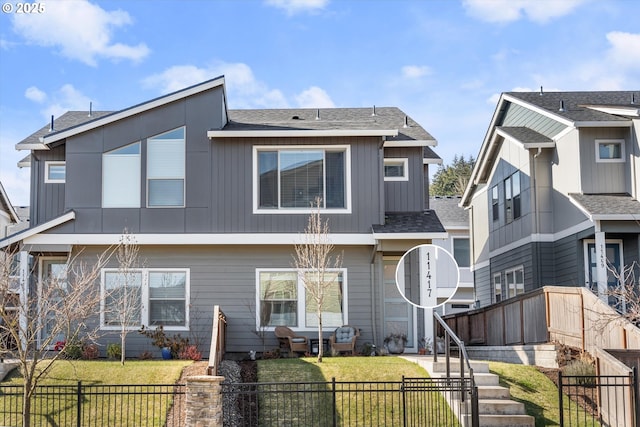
289 340
344 339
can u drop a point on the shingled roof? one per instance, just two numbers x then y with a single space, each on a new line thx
608 206
382 118
410 222
66 121
581 106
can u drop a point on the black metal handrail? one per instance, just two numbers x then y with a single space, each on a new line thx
464 359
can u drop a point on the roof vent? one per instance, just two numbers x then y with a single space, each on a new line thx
561 109
633 98
406 122
51 126
541 91
90 109
318 114
373 112
295 118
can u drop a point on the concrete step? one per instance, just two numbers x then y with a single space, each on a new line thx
481 379
493 392
454 366
502 421
500 407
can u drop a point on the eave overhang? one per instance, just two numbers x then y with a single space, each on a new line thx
35 231
410 236
119 115
292 133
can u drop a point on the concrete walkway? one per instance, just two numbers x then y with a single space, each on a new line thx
494 401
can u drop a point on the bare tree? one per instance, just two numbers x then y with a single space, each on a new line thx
314 261
33 318
625 296
123 299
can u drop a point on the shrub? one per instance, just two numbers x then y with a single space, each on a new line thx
72 350
190 352
90 352
176 343
583 370
145 355
114 351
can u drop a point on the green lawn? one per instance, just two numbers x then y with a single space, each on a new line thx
538 393
111 409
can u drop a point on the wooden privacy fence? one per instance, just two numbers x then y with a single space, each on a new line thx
573 316
218 339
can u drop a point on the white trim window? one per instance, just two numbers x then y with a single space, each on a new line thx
121 177
610 150
462 251
163 298
282 300
497 287
514 279
290 179
396 169
55 172
512 197
166 169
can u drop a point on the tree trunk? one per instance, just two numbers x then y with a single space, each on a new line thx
26 406
320 343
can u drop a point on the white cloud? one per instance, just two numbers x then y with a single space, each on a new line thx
415 71
505 11
297 6
314 97
243 89
80 30
67 98
36 95
625 49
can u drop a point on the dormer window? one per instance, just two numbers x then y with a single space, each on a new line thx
55 172
609 150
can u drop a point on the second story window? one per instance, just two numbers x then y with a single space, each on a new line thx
121 177
396 169
292 178
166 169
55 172
512 197
495 203
609 150
462 252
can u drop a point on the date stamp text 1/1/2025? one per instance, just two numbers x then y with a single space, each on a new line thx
23 8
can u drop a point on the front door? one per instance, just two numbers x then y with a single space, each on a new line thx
52 270
399 315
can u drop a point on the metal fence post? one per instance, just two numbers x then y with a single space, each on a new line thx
560 404
635 391
333 396
404 402
475 410
79 405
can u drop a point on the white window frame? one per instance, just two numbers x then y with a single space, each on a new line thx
145 305
168 177
453 249
47 168
135 186
278 148
497 290
599 142
302 301
397 161
518 288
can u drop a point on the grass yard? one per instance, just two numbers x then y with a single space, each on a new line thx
376 401
538 393
111 409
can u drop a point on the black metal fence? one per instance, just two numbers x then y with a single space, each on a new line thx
410 402
92 405
598 400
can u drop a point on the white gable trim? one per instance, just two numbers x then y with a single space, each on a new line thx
48 139
34 231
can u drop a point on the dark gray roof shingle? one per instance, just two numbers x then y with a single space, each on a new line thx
607 204
449 212
575 103
329 119
524 134
410 222
64 122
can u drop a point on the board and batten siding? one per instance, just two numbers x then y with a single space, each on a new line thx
226 276
483 285
51 200
405 196
604 177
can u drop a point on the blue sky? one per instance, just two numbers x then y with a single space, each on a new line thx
443 62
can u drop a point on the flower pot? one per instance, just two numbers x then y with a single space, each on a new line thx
395 346
166 353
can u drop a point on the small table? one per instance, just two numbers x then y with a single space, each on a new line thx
313 345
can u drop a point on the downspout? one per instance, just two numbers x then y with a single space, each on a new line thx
536 223
372 268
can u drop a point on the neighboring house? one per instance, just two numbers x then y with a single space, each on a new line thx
553 196
12 218
216 199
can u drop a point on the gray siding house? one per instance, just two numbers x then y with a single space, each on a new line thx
216 199
553 197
